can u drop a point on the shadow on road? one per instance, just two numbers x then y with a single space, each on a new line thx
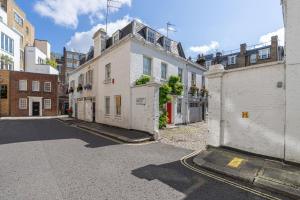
39 130
194 186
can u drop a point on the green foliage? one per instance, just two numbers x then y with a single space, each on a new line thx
163 120
175 85
164 95
142 80
52 62
194 90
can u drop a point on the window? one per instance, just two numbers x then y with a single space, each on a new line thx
147 68
264 53
150 35
47 104
47 87
118 105
27 30
81 79
7 44
179 106
163 70
108 71
3 94
167 43
35 86
22 85
193 79
41 61
116 37
22 103
180 73
253 58
107 105
208 63
232 60
72 84
18 19
89 77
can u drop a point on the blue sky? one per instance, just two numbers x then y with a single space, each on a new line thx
202 25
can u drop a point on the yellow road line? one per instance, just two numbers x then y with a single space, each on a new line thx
223 180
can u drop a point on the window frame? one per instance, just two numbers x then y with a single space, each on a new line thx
193 79
50 86
25 87
252 61
107 105
148 70
18 19
230 61
166 71
149 35
25 104
167 44
3 91
49 107
107 71
38 86
179 108
180 74
262 55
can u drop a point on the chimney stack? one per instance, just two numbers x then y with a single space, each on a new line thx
99 42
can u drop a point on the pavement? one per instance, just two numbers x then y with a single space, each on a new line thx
262 172
48 160
124 135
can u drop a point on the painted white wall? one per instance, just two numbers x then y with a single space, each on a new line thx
16 37
3 16
32 54
257 94
292 31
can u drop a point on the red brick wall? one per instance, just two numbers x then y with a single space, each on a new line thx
15 94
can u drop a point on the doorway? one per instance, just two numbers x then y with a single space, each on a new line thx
169 110
35 108
94 111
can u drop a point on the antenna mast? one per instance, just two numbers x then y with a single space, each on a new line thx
108 6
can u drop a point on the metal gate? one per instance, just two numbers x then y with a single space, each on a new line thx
195 114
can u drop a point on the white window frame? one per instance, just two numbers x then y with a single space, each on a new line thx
264 53
108 71
23 88
180 73
179 106
107 105
47 104
45 87
232 60
149 37
253 58
35 87
18 19
167 44
165 75
116 37
208 63
23 103
147 71
193 79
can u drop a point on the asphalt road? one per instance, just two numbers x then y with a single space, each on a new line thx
46 159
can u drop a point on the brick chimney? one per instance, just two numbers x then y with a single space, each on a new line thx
274 47
242 57
99 42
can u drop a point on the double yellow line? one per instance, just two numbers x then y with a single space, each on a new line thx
223 180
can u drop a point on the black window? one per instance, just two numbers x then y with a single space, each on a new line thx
3 91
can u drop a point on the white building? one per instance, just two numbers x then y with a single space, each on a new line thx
117 62
9 45
35 59
259 113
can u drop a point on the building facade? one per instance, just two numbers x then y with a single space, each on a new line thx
246 56
103 88
28 94
17 21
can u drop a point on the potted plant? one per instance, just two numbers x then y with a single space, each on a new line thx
204 92
194 90
79 88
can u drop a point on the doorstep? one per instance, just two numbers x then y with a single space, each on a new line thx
262 172
124 135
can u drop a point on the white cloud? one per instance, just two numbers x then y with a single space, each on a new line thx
82 41
267 37
66 12
204 49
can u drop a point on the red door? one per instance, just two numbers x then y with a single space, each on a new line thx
169 110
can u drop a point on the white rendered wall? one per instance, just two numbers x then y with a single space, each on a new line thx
16 37
256 93
292 31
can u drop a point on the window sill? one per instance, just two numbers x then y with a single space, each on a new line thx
107 81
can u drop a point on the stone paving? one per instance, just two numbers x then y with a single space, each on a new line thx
192 136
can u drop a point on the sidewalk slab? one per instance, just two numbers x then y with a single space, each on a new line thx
269 174
125 135
34 118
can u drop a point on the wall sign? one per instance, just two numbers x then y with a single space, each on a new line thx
245 115
140 101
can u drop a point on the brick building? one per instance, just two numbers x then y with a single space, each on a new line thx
246 56
28 94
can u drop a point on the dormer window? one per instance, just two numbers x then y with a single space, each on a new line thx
264 53
232 60
116 37
150 35
167 44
